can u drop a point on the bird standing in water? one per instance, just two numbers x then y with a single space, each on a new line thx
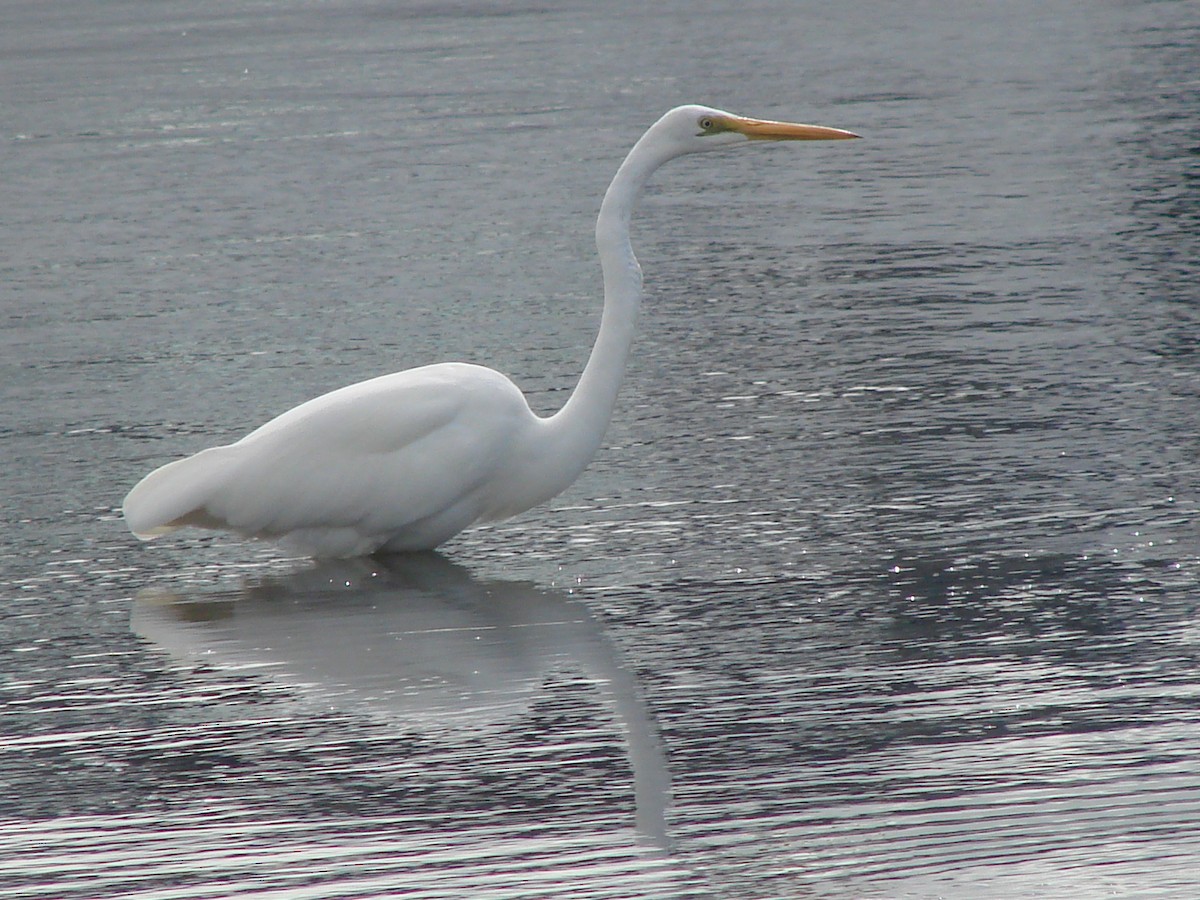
405 461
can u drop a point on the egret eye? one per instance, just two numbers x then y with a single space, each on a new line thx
707 124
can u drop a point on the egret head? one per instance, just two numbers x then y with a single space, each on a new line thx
690 129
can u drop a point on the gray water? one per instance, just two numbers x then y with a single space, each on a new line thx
884 583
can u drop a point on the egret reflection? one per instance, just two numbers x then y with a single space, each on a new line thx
414 639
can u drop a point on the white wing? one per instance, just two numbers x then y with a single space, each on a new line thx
405 459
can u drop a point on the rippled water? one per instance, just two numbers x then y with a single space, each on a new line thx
884 584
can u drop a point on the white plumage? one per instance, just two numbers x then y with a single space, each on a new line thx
405 461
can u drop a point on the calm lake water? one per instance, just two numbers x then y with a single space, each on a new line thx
884 584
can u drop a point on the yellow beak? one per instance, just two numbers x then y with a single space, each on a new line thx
765 130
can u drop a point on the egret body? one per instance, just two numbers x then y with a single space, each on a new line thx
405 461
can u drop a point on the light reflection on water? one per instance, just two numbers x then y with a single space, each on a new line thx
893 541
413 668
230 851
415 640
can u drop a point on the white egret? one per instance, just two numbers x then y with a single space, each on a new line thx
405 461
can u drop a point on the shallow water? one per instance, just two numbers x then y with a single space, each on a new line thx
883 585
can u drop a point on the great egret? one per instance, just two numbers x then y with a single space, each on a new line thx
405 461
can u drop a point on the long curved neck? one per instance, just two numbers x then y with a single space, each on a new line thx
577 429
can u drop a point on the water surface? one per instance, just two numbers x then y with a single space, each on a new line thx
883 585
